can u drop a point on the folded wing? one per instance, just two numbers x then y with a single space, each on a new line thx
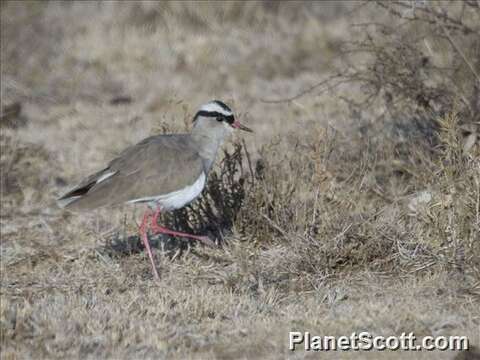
158 165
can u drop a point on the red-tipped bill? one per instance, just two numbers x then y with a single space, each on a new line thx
236 124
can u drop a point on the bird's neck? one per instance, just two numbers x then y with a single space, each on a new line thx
207 145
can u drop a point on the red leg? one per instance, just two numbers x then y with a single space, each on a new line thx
160 229
143 234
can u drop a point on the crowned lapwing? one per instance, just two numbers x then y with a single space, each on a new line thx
165 171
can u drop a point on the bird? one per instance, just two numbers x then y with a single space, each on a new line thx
165 172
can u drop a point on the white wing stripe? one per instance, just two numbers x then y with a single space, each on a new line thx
105 176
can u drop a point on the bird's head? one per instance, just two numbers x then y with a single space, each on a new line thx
216 115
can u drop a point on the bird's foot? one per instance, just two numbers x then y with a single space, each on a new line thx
155 228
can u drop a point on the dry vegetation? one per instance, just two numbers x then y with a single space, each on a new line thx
354 207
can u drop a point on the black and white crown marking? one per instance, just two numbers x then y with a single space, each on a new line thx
216 109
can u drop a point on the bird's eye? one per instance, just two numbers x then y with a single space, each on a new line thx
220 118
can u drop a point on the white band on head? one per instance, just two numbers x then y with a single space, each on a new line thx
212 106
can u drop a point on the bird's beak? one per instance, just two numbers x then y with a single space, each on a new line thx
236 124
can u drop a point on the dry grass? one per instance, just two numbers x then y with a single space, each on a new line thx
354 207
